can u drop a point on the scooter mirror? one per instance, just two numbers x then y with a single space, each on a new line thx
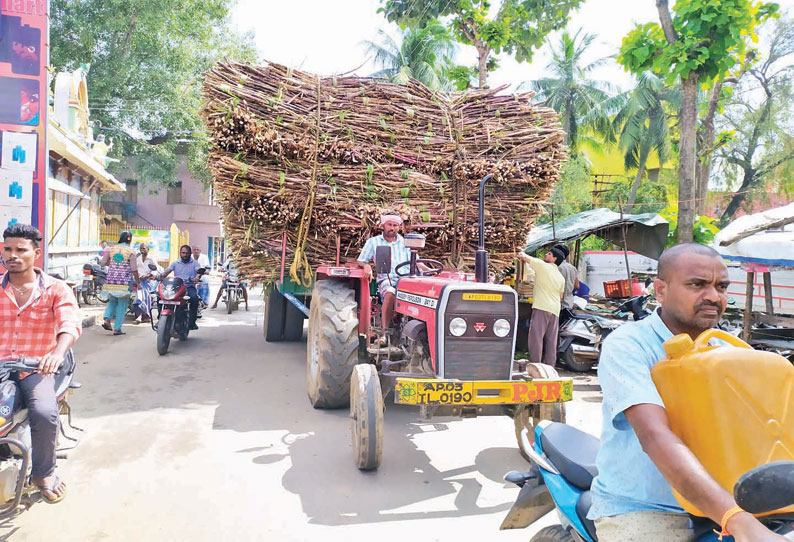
152 267
766 488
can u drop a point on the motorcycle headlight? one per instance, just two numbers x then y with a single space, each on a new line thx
457 326
501 328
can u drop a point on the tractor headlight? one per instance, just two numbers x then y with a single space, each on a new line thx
501 328
457 326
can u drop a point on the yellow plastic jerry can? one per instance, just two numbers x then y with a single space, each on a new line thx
731 405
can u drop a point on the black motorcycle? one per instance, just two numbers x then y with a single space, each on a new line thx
173 312
15 441
92 285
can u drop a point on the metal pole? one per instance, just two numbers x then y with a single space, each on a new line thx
553 225
770 309
625 246
748 306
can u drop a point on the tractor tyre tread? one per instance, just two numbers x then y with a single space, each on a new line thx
333 341
552 533
274 315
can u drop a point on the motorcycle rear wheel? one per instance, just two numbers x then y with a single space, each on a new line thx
87 296
552 533
576 364
164 334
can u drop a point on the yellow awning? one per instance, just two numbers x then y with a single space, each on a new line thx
60 143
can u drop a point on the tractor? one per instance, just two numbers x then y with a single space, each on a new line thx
449 349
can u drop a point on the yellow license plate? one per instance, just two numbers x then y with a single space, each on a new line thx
410 391
482 297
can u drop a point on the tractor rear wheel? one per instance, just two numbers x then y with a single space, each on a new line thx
366 416
293 323
331 344
528 416
274 315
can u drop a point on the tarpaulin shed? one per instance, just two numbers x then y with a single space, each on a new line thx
761 242
646 234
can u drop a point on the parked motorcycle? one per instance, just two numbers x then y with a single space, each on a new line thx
582 333
15 441
233 292
92 285
173 317
563 467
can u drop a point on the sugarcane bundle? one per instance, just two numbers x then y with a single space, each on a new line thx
317 160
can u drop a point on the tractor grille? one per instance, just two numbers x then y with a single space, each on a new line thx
479 355
473 359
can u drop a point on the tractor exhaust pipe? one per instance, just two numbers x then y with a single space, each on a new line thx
481 256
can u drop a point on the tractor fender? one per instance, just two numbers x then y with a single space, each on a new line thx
415 329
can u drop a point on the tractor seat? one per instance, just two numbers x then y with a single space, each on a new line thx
573 452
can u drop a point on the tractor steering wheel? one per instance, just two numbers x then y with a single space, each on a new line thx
435 268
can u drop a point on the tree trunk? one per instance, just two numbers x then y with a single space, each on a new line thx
739 197
482 65
708 135
566 123
687 158
636 186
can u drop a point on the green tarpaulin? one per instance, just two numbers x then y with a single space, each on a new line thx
646 234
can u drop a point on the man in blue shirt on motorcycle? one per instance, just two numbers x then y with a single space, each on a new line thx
641 459
186 268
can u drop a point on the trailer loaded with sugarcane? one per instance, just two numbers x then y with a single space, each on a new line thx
303 168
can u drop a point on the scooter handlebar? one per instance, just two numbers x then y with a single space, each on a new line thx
24 364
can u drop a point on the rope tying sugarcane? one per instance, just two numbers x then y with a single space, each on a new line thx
301 261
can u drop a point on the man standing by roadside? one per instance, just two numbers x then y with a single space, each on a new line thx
204 285
39 318
548 291
186 268
569 273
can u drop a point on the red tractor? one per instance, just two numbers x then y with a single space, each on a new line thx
449 349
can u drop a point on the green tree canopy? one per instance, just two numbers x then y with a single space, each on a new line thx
146 59
519 26
569 91
423 54
700 42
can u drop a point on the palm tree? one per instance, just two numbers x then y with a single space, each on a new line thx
569 91
639 123
422 55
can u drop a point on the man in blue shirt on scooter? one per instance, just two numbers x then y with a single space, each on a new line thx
641 459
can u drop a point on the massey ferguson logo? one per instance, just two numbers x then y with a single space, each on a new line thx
479 327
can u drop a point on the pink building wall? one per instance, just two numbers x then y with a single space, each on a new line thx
195 214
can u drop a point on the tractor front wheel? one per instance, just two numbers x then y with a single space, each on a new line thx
366 416
331 344
528 416
552 533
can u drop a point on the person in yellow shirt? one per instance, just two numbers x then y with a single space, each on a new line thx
546 299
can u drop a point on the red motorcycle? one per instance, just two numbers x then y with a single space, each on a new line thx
173 307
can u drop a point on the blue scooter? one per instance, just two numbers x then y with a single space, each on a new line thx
563 467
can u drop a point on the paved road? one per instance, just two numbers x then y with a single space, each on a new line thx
217 441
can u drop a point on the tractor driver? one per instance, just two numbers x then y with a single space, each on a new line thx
391 224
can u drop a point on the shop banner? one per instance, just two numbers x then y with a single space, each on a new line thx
24 54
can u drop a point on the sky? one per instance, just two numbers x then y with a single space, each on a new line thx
325 36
